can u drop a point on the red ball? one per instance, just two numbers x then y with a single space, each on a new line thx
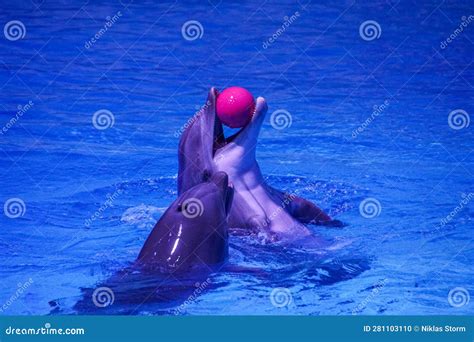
235 107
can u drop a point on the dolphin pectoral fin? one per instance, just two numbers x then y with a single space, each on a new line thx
303 210
307 212
333 224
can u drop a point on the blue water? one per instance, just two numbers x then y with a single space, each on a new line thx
403 261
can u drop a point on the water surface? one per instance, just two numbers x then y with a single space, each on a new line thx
404 261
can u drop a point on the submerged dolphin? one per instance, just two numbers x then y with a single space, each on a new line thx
257 207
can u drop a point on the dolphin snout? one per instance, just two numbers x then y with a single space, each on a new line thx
261 107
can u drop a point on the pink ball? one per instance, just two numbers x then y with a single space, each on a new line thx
235 106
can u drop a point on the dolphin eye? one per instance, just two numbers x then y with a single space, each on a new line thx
206 175
180 207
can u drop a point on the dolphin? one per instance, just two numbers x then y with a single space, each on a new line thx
188 243
193 231
257 207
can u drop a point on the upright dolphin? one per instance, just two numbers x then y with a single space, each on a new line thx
257 207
